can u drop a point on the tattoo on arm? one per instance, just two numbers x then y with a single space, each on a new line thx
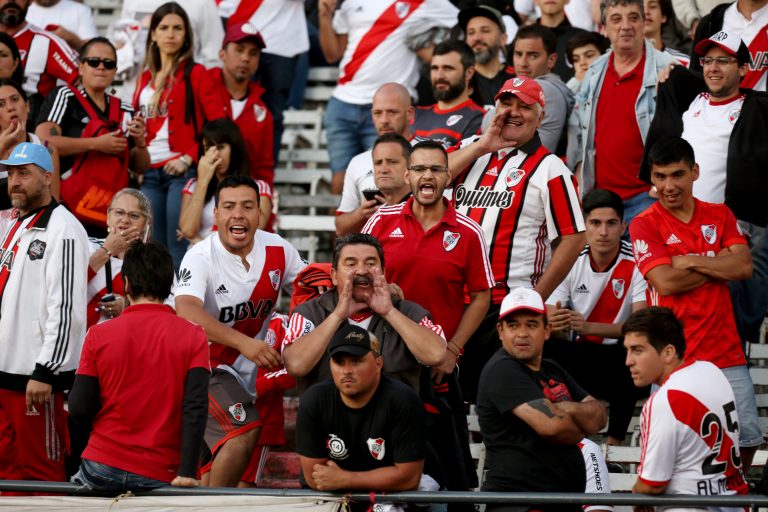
541 405
54 131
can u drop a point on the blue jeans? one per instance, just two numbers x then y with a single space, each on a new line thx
100 477
350 131
276 76
750 297
164 193
750 435
636 205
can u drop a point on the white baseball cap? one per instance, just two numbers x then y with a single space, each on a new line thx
522 299
728 42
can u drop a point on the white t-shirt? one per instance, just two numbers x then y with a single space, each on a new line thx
239 298
73 16
734 22
583 287
359 177
689 435
707 126
158 142
282 24
578 13
377 51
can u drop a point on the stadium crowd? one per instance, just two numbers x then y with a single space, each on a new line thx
549 210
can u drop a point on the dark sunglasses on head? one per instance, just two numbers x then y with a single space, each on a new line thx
95 61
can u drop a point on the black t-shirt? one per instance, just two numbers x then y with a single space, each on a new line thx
485 89
390 428
62 108
518 459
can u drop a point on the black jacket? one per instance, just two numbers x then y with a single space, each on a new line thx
746 173
709 25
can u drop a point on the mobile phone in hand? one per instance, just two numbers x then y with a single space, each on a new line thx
371 194
110 297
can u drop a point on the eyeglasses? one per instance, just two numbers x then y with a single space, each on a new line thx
434 169
723 61
95 61
132 216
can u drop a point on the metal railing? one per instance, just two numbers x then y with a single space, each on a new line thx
507 498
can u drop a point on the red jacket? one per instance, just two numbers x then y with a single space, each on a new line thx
208 106
255 123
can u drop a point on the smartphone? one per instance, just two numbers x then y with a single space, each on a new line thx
371 194
110 297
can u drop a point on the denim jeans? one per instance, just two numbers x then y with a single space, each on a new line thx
276 75
750 297
350 131
100 477
750 435
164 193
636 205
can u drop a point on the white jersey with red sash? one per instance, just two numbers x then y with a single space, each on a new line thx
239 298
97 284
9 246
523 199
377 34
754 33
604 296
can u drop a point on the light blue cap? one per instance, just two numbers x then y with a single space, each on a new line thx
29 153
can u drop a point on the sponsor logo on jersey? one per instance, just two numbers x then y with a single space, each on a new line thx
32 412
582 289
260 113
493 171
672 240
397 233
483 197
221 289
758 62
369 172
336 447
237 411
697 114
184 276
513 177
245 310
452 120
710 233
641 250
376 447
6 258
36 250
618 288
62 63
401 9
450 240
734 115
274 278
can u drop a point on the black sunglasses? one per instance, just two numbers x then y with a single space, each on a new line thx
95 61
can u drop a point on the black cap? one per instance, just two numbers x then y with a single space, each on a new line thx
353 340
486 11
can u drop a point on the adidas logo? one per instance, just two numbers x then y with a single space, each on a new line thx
221 289
493 171
396 233
673 240
582 289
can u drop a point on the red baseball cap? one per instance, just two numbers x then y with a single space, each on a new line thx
242 31
524 88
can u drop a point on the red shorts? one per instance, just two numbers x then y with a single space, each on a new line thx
32 444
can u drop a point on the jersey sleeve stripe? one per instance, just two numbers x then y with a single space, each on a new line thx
60 105
371 223
561 207
465 221
65 307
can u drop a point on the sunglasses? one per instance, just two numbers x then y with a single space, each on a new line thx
95 61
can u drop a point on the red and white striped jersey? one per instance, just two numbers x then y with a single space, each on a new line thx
523 199
378 33
46 58
606 296
690 435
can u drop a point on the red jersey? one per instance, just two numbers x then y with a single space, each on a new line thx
433 268
706 312
45 58
146 349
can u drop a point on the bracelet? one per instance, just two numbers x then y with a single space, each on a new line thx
106 250
458 352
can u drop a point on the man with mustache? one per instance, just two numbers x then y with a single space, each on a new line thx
454 117
409 338
45 56
485 33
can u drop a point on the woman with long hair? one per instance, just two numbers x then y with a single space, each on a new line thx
177 97
98 136
10 59
224 153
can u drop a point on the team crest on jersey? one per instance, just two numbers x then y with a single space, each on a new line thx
452 120
336 447
402 9
514 176
36 250
237 411
376 447
734 116
274 278
710 233
248 28
270 338
23 55
618 288
450 240
260 113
